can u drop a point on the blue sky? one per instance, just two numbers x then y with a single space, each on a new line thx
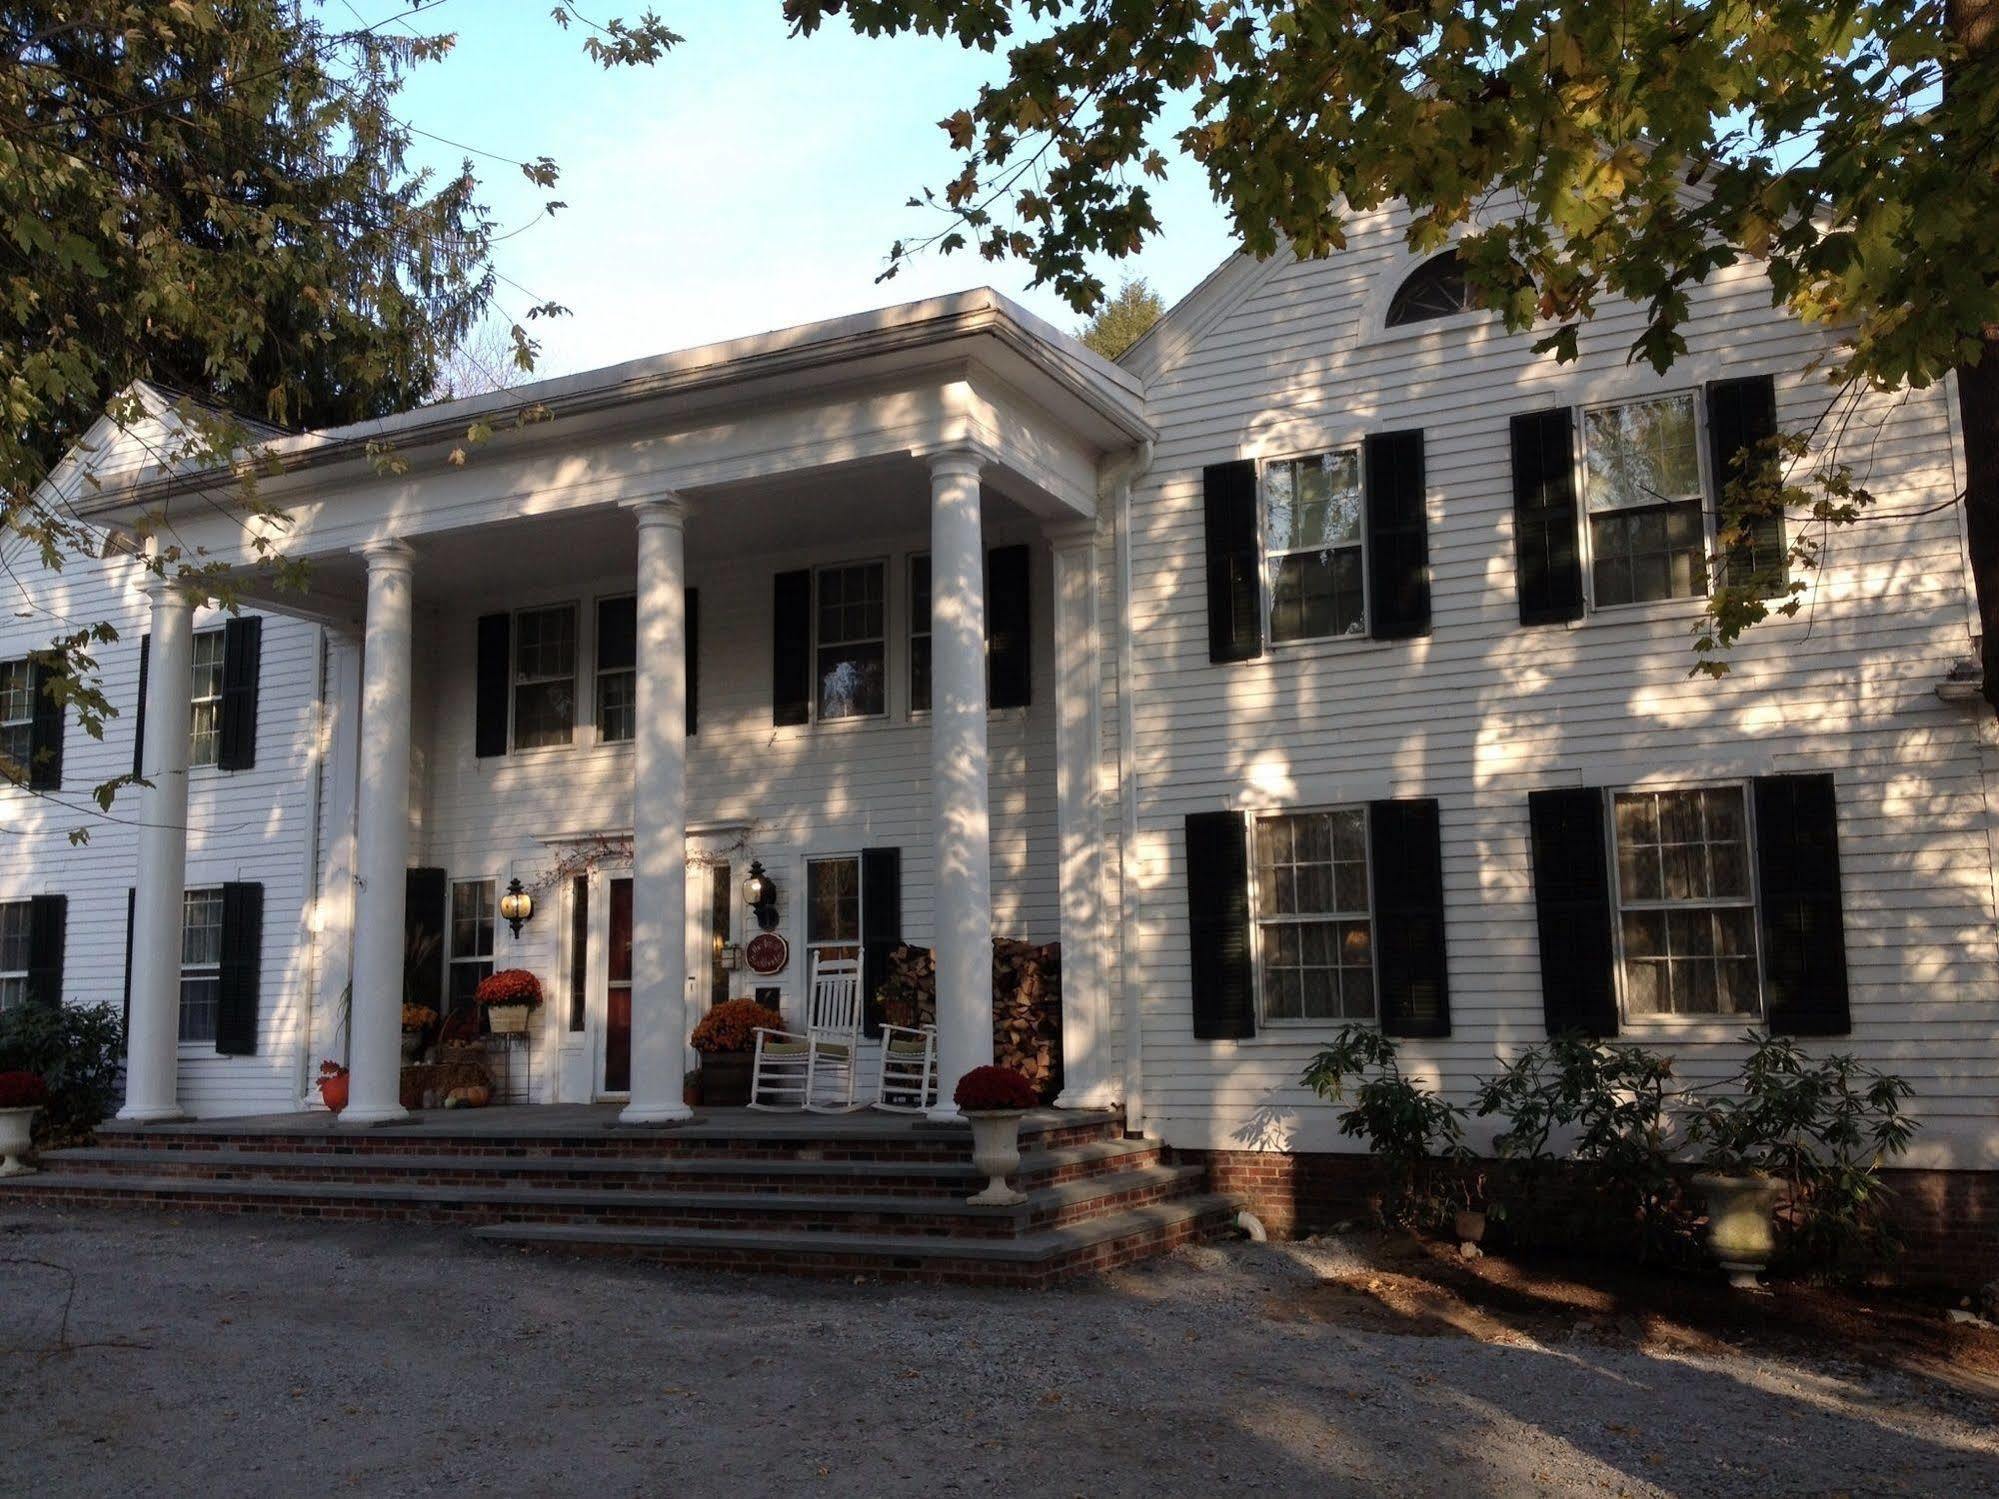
751 180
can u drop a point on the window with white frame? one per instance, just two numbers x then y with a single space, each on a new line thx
13 954
17 715
851 633
919 633
1686 903
617 669
472 905
1314 925
1646 505
200 964
205 717
832 909
544 676
1436 288
1313 546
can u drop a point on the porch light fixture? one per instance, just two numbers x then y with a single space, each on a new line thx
516 906
760 895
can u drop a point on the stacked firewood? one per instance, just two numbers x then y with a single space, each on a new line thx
1027 1004
1027 1011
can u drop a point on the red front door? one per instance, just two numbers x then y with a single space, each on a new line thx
618 1008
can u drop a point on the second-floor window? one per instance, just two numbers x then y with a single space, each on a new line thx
1313 550
851 640
1643 495
919 633
205 717
617 669
544 676
17 715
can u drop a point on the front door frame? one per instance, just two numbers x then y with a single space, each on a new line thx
700 949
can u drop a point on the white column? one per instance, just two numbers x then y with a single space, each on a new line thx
1086 1021
659 821
153 1046
382 822
962 878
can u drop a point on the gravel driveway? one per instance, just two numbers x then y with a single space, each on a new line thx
295 1359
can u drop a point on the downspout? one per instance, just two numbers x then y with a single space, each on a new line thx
315 853
1127 473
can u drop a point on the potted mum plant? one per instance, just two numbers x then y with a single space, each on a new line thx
726 1037
21 1094
507 998
417 1021
994 1099
333 1085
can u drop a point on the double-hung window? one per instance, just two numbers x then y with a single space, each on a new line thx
544 676
14 958
617 669
851 640
832 908
200 964
205 718
1314 926
1642 491
17 716
1686 902
472 903
1313 527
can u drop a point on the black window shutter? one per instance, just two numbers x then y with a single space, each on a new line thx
791 648
1573 908
45 735
242 963
139 713
1218 925
493 675
1803 927
693 626
426 909
1009 631
1740 414
131 915
1235 587
47 918
1398 536
881 925
242 653
1406 850
1546 546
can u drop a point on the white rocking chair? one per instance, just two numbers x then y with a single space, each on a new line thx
816 1068
909 1069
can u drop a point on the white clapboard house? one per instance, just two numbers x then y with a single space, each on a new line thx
1326 659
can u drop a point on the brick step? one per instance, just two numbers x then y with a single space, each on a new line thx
769 1136
1038 1167
786 1210
1032 1260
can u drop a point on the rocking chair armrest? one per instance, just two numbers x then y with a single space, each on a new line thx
780 1035
908 1030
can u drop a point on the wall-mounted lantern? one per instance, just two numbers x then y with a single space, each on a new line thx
516 906
760 895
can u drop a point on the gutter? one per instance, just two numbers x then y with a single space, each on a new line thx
1128 473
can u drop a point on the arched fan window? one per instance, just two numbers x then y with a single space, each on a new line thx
1436 288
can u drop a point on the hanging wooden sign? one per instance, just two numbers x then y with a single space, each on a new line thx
767 953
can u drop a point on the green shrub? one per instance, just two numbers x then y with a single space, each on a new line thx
77 1051
1411 1129
1823 1127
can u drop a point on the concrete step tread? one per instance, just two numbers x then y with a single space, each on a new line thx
1031 1248
584 1198
1032 1162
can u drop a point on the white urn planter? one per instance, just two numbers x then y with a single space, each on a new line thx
16 1135
1741 1224
996 1155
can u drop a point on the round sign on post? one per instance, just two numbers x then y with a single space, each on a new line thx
767 953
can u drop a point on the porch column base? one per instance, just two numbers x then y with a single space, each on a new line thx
130 1115
1100 1095
657 1113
